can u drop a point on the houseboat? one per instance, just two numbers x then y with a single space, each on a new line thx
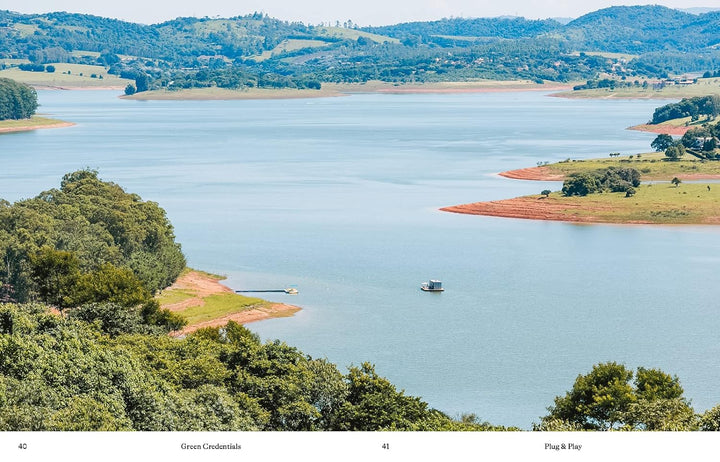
432 286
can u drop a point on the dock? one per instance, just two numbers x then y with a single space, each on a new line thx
290 291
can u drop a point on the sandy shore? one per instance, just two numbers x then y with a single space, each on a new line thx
533 173
203 285
275 310
24 128
530 208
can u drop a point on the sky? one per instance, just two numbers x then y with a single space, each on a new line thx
363 13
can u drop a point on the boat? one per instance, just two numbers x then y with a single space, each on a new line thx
432 285
291 291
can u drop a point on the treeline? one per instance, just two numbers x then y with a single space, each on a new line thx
17 100
689 107
61 373
613 397
612 179
701 142
496 28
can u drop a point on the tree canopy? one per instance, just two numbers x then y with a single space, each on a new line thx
64 239
17 100
612 179
64 373
606 399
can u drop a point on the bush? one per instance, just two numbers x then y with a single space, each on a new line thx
581 185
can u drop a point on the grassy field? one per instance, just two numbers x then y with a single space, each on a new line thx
353 34
199 298
704 87
658 203
28 124
290 45
652 166
79 76
219 305
604 54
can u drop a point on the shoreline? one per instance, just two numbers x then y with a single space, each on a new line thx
199 286
526 208
649 206
26 128
331 90
661 129
543 173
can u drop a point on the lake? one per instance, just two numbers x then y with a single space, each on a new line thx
340 197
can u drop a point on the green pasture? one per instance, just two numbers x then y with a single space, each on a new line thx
652 166
657 203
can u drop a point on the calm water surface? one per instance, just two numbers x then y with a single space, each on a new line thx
340 195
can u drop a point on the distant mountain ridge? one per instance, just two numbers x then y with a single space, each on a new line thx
622 29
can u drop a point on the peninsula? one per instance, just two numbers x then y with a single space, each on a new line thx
34 123
201 299
667 200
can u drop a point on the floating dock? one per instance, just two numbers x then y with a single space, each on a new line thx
291 291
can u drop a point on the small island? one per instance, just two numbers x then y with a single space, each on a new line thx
680 175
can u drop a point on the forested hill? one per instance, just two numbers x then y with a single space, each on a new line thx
470 29
624 29
642 29
257 50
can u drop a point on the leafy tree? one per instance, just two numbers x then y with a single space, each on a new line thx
110 284
676 181
100 224
56 274
597 400
675 152
373 404
130 89
545 192
662 142
710 420
581 185
17 100
709 145
142 82
660 414
605 399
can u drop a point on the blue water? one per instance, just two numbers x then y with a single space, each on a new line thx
339 196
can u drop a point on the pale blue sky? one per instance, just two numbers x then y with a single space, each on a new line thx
366 12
